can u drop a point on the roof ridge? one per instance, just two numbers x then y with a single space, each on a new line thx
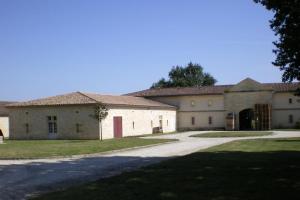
86 95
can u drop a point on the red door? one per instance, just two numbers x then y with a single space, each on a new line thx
118 129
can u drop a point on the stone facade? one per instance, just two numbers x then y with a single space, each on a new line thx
285 105
200 108
32 122
4 126
204 112
139 121
76 122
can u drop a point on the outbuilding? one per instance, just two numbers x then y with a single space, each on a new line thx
4 118
71 116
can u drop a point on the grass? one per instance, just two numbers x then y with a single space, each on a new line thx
254 169
24 149
233 134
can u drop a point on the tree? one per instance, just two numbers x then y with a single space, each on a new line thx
100 113
286 25
189 76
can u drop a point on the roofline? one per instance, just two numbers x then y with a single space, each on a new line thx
26 106
90 104
140 93
177 95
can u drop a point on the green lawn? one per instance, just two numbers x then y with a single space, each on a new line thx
255 169
16 149
289 129
233 134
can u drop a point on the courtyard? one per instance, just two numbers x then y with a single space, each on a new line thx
30 178
248 169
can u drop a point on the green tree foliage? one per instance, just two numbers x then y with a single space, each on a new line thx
286 25
100 113
189 76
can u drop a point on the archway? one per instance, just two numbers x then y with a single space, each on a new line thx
246 118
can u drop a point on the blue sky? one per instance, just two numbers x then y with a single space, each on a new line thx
50 47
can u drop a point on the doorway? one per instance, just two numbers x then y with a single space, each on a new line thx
118 127
246 119
52 127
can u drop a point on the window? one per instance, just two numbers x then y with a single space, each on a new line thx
151 124
167 122
77 128
192 103
50 127
290 100
209 120
291 119
160 124
27 128
133 125
210 103
193 120
52 124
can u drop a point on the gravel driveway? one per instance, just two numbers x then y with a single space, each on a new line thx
22 178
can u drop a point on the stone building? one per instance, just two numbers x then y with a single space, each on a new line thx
4 119
244 106
70 116
248 105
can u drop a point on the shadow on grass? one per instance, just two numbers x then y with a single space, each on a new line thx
202 175
293 141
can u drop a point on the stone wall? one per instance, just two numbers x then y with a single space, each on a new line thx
201 107
282 109
67 118
4 126
238 101
141 118
70 117
201 120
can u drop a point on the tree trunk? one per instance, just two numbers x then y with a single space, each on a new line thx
100 130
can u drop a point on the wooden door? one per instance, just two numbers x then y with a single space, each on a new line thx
118 128
263 116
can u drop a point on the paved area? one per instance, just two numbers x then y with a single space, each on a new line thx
20 179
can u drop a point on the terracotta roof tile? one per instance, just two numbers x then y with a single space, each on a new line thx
126 100
79 98
207 90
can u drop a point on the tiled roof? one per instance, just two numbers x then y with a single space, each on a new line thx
79 98
126 100
3 109
208 90
283 87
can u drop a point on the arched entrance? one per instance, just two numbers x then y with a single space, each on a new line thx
246 118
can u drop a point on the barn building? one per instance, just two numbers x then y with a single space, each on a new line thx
247 105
